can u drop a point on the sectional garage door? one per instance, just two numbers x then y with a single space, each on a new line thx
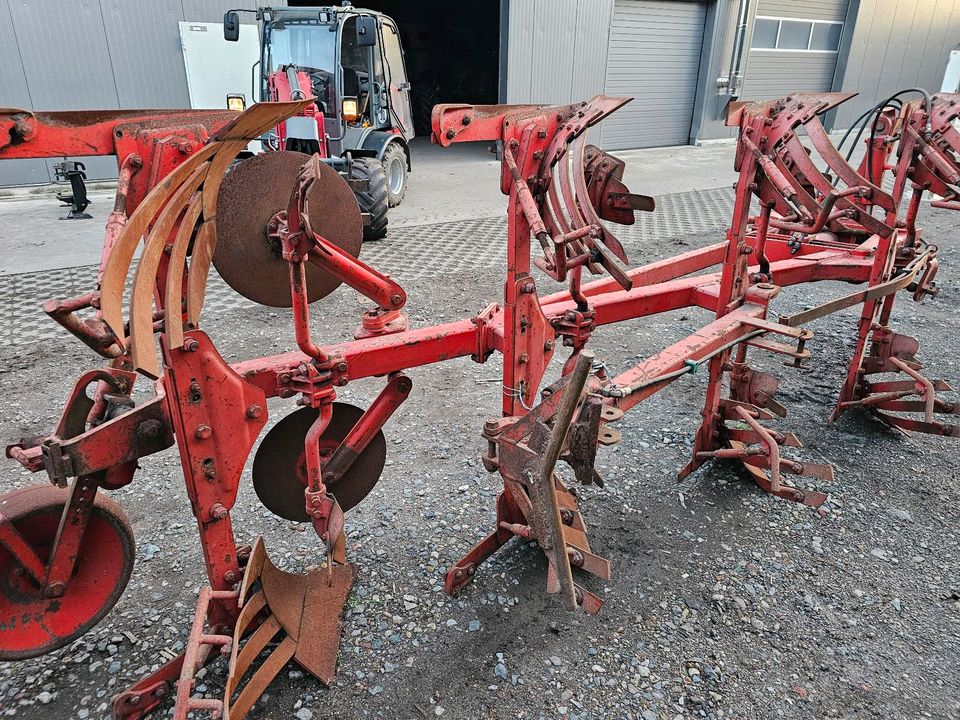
794 47
654 57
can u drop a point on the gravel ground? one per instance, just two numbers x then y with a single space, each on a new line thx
724 603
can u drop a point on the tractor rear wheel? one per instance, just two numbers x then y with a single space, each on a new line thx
395 166
373 200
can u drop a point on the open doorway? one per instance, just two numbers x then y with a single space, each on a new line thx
452 51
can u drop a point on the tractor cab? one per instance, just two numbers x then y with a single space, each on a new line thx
351 61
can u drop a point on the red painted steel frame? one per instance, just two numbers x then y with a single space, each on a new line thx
217 410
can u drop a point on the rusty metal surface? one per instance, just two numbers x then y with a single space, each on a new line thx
251 194
300 614
279 465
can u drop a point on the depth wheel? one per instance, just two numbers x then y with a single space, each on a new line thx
31 625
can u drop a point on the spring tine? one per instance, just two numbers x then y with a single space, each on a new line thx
142 347
583 195
121 256
260 679
173 304
254 645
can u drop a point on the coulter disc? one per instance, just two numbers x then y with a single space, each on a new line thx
251 194
280 470
32 625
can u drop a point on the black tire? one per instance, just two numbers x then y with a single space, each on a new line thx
395 168
424 98
373 200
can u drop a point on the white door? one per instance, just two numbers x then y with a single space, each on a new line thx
217 68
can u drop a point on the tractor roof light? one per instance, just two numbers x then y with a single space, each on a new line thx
236 103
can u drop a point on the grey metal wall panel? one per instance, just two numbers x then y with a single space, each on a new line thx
897 44
65 55
94 54
15 93
144 45
654 56
557 49
808 9
775 74
709 122
213 10
66 62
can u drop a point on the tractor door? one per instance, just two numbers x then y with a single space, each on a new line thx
363 79
396 76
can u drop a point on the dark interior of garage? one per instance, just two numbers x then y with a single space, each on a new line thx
452 50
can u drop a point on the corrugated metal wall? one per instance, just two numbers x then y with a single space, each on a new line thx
557 50
93 54
807 71
897 44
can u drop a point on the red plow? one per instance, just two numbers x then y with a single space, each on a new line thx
284 230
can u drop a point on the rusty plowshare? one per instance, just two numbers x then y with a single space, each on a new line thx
66 550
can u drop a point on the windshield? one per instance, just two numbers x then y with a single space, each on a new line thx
311 46
303 42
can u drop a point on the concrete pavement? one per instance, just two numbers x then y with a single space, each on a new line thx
447 184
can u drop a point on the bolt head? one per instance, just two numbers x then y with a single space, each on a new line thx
254 411
203 432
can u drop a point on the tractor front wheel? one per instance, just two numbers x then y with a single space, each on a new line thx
395 166
373 200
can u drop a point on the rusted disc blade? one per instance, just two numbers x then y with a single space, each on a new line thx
251 194
280 471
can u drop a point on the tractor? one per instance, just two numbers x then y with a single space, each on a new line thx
351 61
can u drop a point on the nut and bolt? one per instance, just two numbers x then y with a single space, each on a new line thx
342 366
254 411
527 288
191 345
451 134
466 120
218 511
231 577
